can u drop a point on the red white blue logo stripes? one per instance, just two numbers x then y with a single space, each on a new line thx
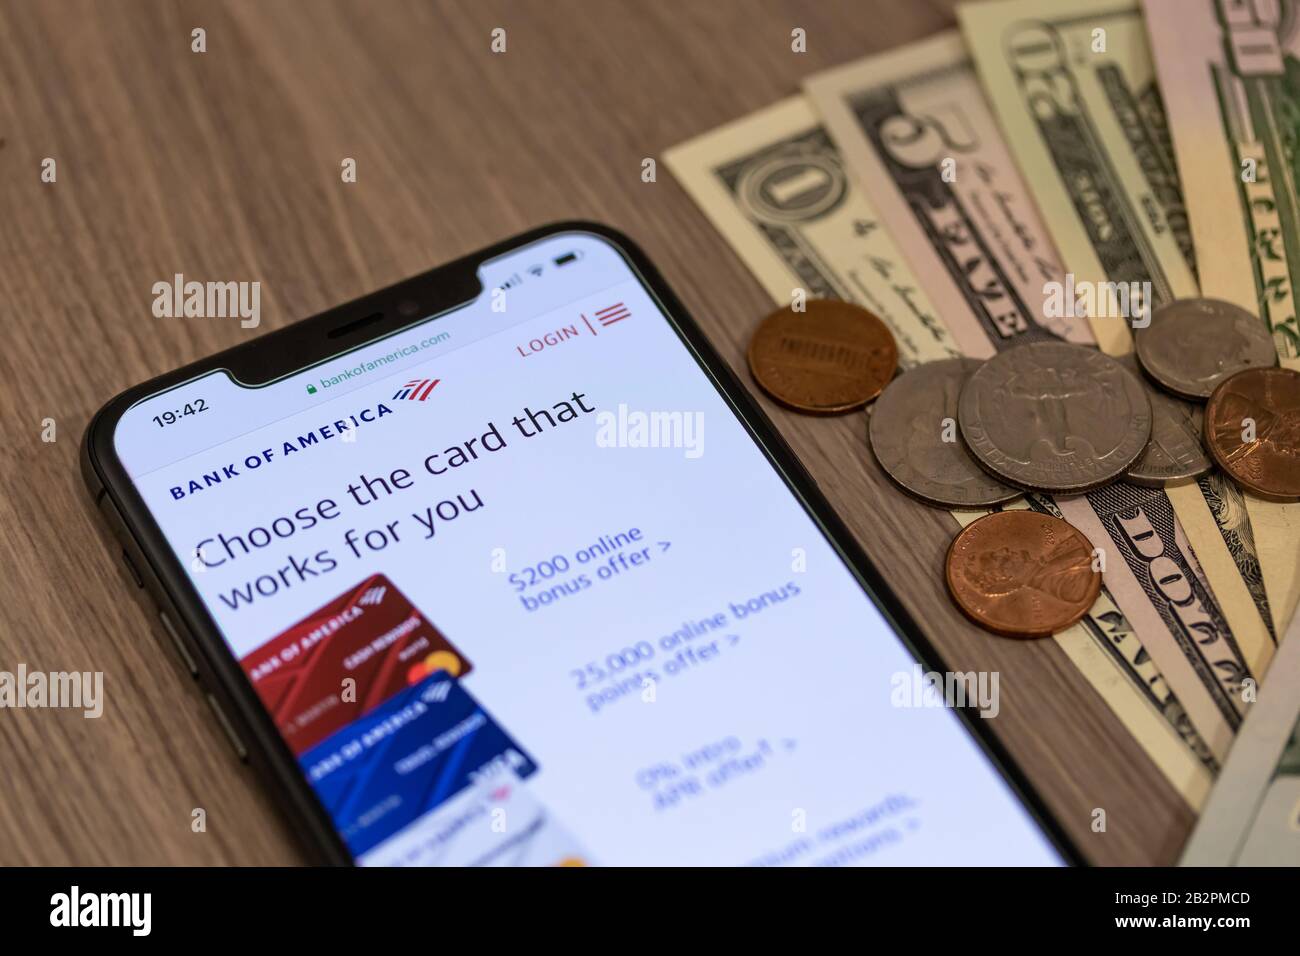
417 390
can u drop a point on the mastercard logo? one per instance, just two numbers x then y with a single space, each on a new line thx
437 661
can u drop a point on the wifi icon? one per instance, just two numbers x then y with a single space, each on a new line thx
535 270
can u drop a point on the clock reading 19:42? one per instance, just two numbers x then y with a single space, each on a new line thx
174 415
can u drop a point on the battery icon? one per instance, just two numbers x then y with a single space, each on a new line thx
568 257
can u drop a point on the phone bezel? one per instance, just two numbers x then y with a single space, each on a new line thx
298 346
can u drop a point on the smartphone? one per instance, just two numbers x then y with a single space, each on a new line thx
502 565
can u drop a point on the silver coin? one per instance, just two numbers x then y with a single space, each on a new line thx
1055 417
1175 453
913 431
1192 345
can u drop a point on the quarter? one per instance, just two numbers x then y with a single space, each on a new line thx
1054 417
1176 452
1191 345
913 432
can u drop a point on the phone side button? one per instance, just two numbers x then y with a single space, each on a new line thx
229 728
181 647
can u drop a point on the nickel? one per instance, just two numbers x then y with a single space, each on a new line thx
1191 345
1055 417
1022 573
1252 428
913 434
833 357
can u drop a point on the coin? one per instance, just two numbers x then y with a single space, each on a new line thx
1175 452
1053 416
1191 345
1022 573
832 357
1252 428
913 432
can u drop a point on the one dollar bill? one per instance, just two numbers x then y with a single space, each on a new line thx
775 188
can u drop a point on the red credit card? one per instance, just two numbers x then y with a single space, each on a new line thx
373 635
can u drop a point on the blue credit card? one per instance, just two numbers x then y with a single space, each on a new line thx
421 747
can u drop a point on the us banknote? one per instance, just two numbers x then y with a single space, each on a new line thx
1231 76
916 131
1104 647
1252 816
832 246
775 188
1073 87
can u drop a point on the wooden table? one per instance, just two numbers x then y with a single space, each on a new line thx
226 165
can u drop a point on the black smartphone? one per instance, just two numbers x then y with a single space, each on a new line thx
501 565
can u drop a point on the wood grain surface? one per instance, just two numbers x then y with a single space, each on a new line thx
225 166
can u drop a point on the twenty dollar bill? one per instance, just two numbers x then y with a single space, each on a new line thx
1231 77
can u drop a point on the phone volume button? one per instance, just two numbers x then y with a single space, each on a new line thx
124 537
181 647
240 750
131 569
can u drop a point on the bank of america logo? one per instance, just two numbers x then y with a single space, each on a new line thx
417 390
373 596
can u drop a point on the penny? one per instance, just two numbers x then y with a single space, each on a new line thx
1191 345
1175 453
832 357
1055 417
1252 428
913 432
1022 573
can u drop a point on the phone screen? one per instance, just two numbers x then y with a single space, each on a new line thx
517 586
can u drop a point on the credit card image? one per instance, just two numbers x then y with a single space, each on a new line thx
524 831
370 635
496 822
416 751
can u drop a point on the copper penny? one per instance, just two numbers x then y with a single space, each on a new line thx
1022 574
1252 428
832 357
